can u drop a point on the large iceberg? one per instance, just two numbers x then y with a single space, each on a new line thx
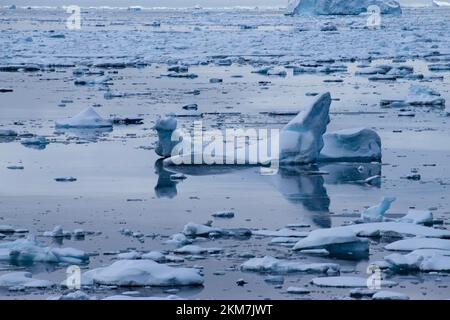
88 118
340 7
301 139
351 145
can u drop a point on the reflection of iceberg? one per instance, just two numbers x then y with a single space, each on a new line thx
91 135
351 173
165 187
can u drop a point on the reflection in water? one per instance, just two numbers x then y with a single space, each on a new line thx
87 134
7 139
300 185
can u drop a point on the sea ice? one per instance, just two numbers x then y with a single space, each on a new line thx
389 295
30 250
351 145
424 217
426 260
418 243
23 279
376 213
271 264
347 282
340 7
7 133
165 126
142 273
88 118
298 290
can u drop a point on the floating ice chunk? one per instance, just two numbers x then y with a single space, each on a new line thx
165 127
77 295
83 82
30 250
143 273
338 242
340 7
131 255
179 239
7 133
271 264
284 240
35 141
298 290
124 297
301 139
347 282
65 179
285 232
426 260
223 214
23 279
351 145
57 232
277 71
88 118
418 217
418 243
191 249
153 255
376 213
389 295
194 229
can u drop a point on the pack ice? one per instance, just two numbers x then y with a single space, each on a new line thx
340 7
271 264
88 118
142 273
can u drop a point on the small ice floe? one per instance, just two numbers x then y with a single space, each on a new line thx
193 249
389 295
7 133
132 255
91 82
75 296
340 7
125 297
351 145
127 121
180 75
284 240
275 279
15 167
215 80
7 229
328 27
224 62
277 71
38 141
30 250
154 255
340 242
376 213
165 126
359 293
192 106
418 96
130 273
57 232
298 290
23 280
178 69
178 239
223 214
88 118
418 243
426 260
439 67
347 282
285 232
271 264
194 229
424 217
65 179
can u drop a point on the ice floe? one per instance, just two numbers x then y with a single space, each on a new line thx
23 279
30 250
376 213
88 118
347 282
389 295
142 273
271 264
424 217
426 260
341 7
418 243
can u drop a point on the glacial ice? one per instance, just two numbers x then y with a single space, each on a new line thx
88 118
271 264
194 229
340 7
347 282
29 250
376 213
142 273
426 260
165 126
424 217
23 279
301 139
351 145
418 243
389 295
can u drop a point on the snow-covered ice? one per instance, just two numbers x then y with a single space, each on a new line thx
418 243
376 213
426 260
88 118
389 295
347 282
424 217
271 264
23 279
341 7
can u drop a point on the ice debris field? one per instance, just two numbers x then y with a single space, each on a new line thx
88 178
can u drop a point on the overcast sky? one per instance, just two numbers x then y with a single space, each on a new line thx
162 3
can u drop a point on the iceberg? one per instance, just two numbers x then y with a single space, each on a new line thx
271 264
389 295
165 126
340 7
351 145
376 213
301 139
130 273
424 217
30 250
88 118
